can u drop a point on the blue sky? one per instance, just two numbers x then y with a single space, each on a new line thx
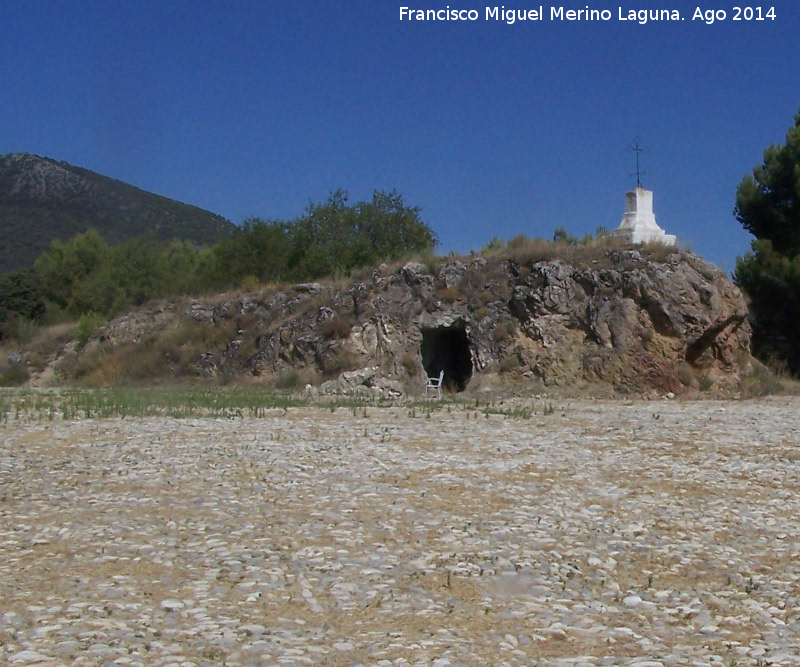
256 108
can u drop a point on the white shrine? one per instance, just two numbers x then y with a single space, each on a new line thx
639 222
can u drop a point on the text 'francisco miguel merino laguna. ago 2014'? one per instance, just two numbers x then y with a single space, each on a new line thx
641 16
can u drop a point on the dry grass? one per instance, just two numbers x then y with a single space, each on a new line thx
768 379
410 363
336 327
172 352
596 253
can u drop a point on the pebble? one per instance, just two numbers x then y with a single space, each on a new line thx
28 658
595 534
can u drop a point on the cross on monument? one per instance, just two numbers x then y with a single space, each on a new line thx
636 148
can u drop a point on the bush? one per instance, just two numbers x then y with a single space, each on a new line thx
504 331
449 294
288 379
510 364
249 283
335 328
760 381
706 382
339 362
14 376
87 325
20 329
410 363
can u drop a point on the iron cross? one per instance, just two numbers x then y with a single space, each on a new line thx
637 148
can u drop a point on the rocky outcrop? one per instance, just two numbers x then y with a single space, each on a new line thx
626 321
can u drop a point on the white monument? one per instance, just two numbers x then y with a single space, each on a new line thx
639 223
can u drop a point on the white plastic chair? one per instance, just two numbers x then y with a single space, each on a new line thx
435 383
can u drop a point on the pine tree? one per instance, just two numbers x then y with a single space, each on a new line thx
768 206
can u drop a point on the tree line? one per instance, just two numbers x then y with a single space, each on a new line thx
87 275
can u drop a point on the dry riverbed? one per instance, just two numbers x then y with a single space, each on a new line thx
602 533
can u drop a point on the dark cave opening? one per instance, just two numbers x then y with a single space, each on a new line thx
447 349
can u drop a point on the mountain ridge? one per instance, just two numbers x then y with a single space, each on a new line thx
42 199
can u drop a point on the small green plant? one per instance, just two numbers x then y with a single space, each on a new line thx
249 283
87 325
560 235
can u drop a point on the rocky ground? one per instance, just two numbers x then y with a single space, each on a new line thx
592 533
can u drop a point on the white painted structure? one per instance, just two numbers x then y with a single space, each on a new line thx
639 223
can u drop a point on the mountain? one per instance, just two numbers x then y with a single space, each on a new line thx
42 199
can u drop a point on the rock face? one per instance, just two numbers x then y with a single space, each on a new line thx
626 321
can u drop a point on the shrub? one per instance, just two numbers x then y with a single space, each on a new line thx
20 329
510 364
449 294
339 362
14 376
760 381
658 252
410 363
706 382
87 325
504 331
249 283
288 379
685 374
336 327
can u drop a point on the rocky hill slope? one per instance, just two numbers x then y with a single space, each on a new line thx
612 319
42 200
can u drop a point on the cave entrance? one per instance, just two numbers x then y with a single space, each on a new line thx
447 349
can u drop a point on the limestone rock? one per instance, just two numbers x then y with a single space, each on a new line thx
633 322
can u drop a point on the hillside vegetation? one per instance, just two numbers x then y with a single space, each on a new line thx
42 200
529 315
85 277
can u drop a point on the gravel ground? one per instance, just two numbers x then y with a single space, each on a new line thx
604 533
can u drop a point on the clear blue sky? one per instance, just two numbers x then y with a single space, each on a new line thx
255 108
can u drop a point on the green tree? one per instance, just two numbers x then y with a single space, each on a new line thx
334 237
66 264
85 275
260 250
21 298
768 206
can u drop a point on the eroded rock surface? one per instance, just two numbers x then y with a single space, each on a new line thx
628 322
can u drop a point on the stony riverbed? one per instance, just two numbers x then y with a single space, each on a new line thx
586 533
